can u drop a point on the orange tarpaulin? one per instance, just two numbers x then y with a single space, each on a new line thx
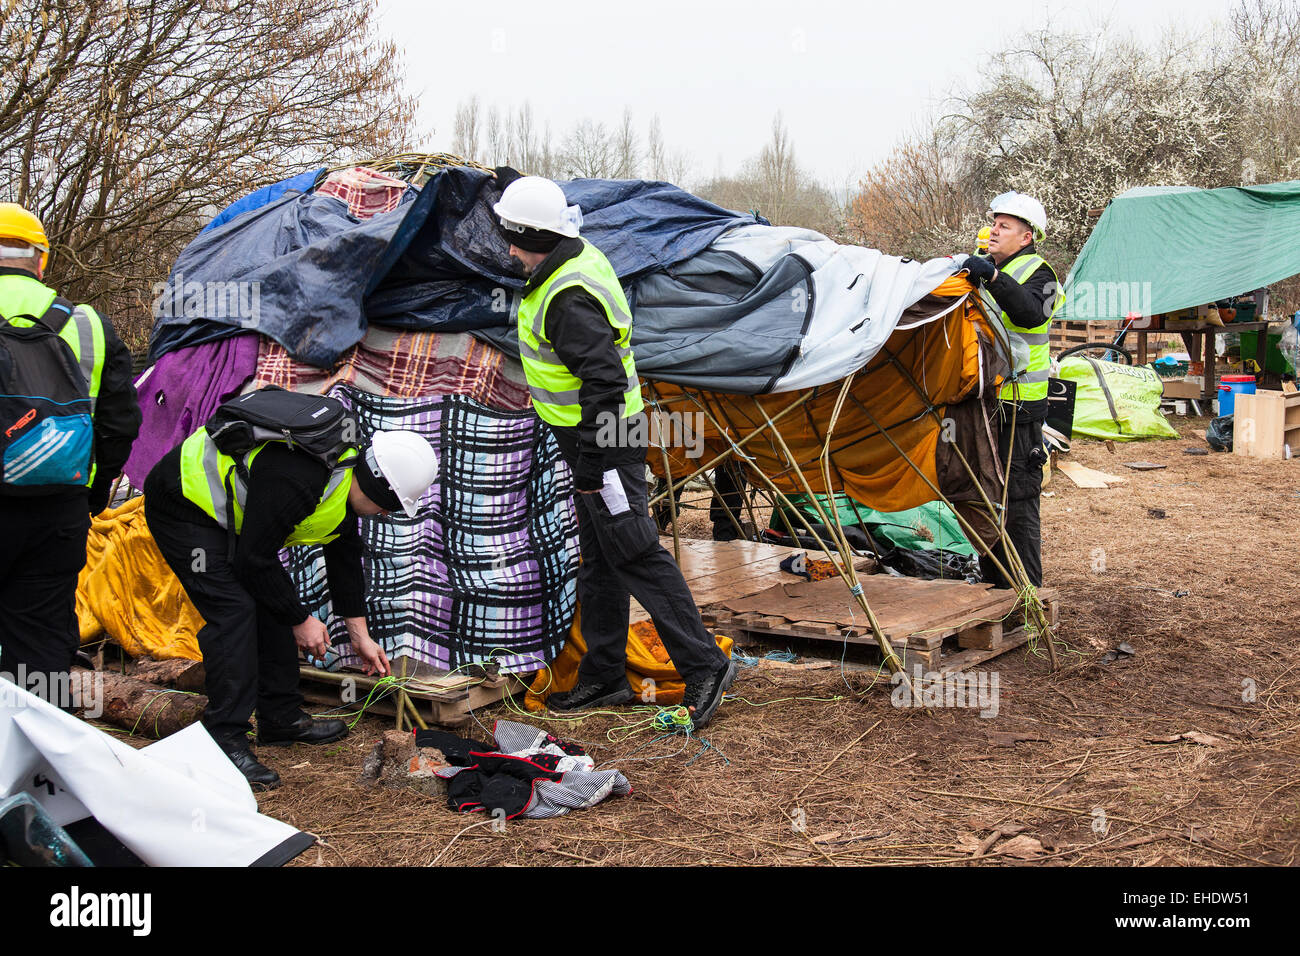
944 364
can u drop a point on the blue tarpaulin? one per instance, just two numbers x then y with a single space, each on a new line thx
302 183
436 262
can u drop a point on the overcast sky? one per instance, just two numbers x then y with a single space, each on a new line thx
849 78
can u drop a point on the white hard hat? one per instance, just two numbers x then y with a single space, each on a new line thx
408 463
534 202
1022 207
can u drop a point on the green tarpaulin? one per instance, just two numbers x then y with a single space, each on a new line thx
931 525
1163 248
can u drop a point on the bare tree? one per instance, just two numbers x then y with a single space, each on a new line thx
465 128
123 125
660 163
1075 119
778 172
916 201
775 186
590 151
627 149
498 137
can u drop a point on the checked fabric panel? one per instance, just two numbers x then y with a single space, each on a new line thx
488 567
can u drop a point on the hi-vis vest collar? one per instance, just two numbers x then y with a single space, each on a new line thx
206 473
554 389
25 295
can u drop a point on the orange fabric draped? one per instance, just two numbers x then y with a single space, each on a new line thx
941 358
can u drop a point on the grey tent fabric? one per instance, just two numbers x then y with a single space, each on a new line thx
772 309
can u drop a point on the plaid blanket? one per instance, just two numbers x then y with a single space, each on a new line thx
405 365
366 191
488 568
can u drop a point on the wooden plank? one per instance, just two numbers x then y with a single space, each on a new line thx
1084 477
724 570
970 658
982 636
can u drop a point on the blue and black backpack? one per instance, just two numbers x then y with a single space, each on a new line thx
47 434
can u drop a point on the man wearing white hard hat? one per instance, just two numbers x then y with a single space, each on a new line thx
574 330
221 519
1022 288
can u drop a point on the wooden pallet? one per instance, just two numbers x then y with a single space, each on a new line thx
945 626
1064 335
439 697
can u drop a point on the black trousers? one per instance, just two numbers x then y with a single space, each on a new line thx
43 549
250 660
1024 445
621 558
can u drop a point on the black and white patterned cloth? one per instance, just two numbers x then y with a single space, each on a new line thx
488 566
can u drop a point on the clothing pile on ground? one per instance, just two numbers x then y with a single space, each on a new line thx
527 773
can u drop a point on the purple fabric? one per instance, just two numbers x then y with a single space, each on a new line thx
182 390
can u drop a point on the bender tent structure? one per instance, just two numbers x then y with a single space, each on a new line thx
819 367
1163 248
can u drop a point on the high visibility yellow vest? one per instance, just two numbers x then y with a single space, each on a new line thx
553 387
83 332
1029 383
205 472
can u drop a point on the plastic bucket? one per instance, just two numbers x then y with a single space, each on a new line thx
1231 386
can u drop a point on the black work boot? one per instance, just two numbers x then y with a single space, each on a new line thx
259 776
304 730
703 697
588 694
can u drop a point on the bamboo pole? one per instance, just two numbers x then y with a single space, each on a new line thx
891 659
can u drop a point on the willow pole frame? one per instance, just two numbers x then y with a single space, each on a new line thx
845 566
1025 589
1035 614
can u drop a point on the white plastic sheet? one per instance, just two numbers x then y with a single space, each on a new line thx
178 802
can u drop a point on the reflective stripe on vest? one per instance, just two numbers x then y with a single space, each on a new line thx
554 389
204 471
83 332
1029 384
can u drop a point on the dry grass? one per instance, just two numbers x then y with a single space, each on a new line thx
934 786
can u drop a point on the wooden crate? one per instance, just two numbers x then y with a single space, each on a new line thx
1066 335
1263 424
945 626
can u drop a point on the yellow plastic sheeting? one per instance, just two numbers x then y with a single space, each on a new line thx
936 363
128 590
650 672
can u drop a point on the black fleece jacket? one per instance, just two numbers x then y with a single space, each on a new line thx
584 340
284 488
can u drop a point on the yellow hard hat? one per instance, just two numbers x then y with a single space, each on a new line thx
17 223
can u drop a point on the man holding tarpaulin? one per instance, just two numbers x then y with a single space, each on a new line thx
574 330
1021 287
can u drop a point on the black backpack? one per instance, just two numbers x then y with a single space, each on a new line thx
315 425
47 438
